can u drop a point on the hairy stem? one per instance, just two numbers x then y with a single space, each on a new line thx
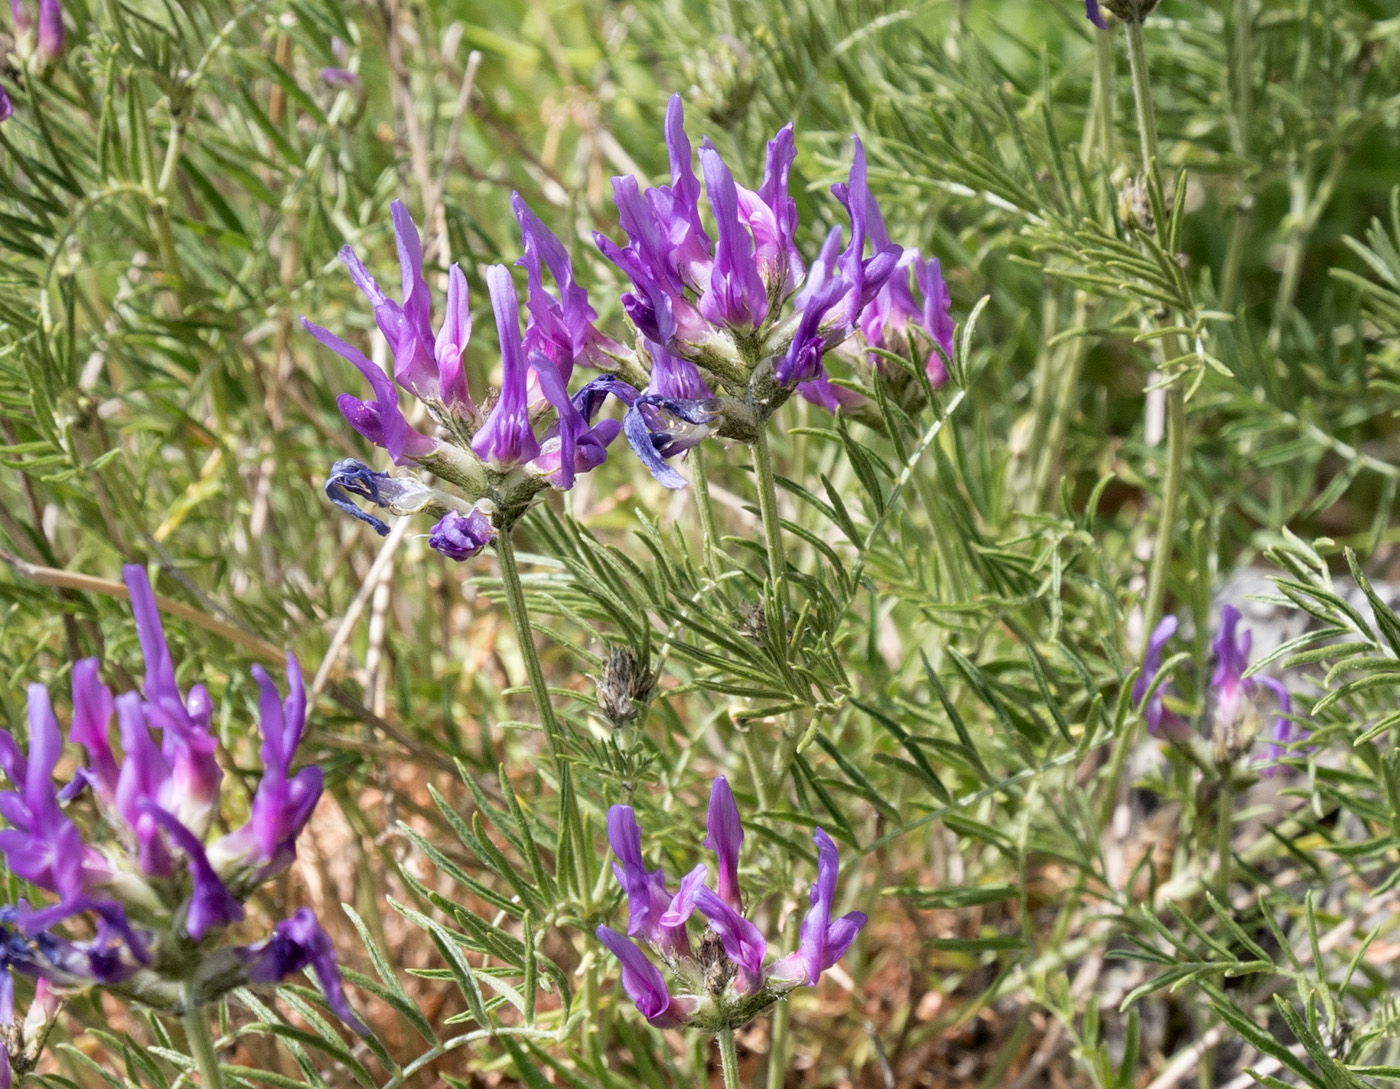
1224 825
778 1045
728 1058
772 526
524 635
201 1044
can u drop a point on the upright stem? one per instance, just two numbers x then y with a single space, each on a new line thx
1224 825
728 1058
772 526
1171 347
525 636
201 1045
778 1045
1242 65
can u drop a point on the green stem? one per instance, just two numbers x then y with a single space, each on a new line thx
772 526
748 738
708 537
778 1045
1176 394
525 636
1242 73
1224 825
728 1058
201 1045
1171 503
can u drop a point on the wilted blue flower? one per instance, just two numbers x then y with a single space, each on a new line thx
461 536
126 843
723 978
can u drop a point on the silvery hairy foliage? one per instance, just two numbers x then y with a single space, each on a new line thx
675 543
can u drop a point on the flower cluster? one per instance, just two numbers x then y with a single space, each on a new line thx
728 321
126 847
723 976
530 435
1232 709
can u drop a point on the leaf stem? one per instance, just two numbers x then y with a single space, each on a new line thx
201 1044
524 635
772 526
778 1044
728 1058
701 480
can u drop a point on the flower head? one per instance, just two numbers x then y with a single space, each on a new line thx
126 844
531 435
1233 699
724 976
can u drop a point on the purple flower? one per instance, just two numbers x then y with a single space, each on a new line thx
1160 722
266 845
738 281
644 983
736 296
726 969
50 30
339 77
144 851
298 943
724 835
461 536
1228 684
1091 9
1232 697
7 108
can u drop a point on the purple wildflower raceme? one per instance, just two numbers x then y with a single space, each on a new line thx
125 844
505 451
1233 698
724 979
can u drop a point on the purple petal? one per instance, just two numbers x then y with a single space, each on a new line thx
92 718
390 429
210 904
646 890
7 108
298 943
683 903
1228 684
451 342
743 943
1091 9
725 836
818 919
643 982
50 30
1151 666
736 296
461 536
507 439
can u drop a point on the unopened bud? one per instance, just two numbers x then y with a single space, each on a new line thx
625 688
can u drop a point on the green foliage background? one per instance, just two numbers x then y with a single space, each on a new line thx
172 199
